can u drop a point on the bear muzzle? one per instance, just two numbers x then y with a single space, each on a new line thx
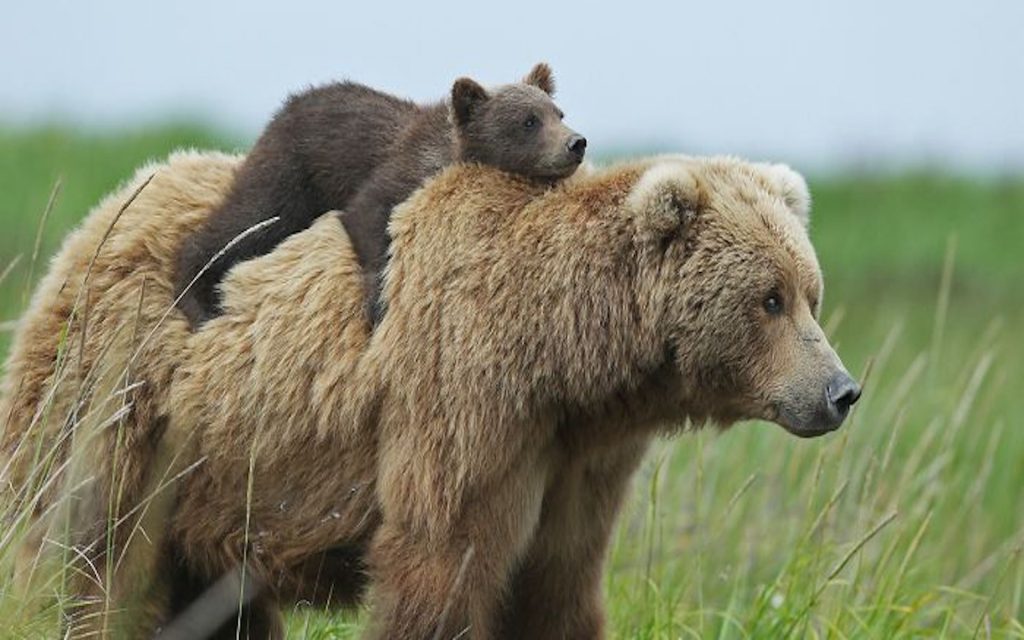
825 410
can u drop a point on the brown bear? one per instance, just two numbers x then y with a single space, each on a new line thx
348 147
467 459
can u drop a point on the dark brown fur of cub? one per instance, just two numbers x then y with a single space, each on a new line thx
348 147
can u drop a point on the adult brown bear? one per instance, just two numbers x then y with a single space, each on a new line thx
468 457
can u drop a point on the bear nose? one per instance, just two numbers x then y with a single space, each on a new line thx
842 392
577 145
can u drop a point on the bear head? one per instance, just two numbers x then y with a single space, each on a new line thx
516 127
743 326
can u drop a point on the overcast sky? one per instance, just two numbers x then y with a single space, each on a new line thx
816 83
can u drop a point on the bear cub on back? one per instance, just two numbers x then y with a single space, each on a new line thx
348 147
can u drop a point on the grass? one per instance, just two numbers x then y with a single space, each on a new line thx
907 523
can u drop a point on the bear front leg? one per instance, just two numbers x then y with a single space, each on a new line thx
445 579
556 591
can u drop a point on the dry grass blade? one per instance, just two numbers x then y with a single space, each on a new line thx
10 325
93 574
884 522
84 290
54 192
942 308
54 476
739 494
85 388
106 235
467 557
10 267
823 513
985 620
843 562
143 506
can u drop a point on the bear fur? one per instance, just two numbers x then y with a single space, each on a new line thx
101 335
348 147
467 459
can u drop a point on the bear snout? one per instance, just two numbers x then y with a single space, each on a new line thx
821 411
841 393
576 145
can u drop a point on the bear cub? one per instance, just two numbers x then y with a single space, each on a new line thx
348 147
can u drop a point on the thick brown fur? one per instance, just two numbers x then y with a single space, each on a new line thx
78 357
347 147
469 457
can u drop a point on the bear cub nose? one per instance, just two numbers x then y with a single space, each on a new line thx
842 392
577 145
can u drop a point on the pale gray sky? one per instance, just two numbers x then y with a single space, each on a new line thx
815 83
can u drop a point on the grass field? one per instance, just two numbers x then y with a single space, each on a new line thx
907 523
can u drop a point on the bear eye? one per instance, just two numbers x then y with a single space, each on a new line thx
561 115
773 303
531 122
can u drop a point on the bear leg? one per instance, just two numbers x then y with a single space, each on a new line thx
445 578
331 579
556 591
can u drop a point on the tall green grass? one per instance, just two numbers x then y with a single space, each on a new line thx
907 523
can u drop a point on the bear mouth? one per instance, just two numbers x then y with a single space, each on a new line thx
812 432
563 168
808 424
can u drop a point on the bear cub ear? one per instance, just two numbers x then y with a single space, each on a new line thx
541 77
467 96
793 189
665 198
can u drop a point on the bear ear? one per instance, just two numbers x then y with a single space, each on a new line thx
793 189
541 77
665 199
467 96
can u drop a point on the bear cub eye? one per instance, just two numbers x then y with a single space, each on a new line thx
531 122
773 303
